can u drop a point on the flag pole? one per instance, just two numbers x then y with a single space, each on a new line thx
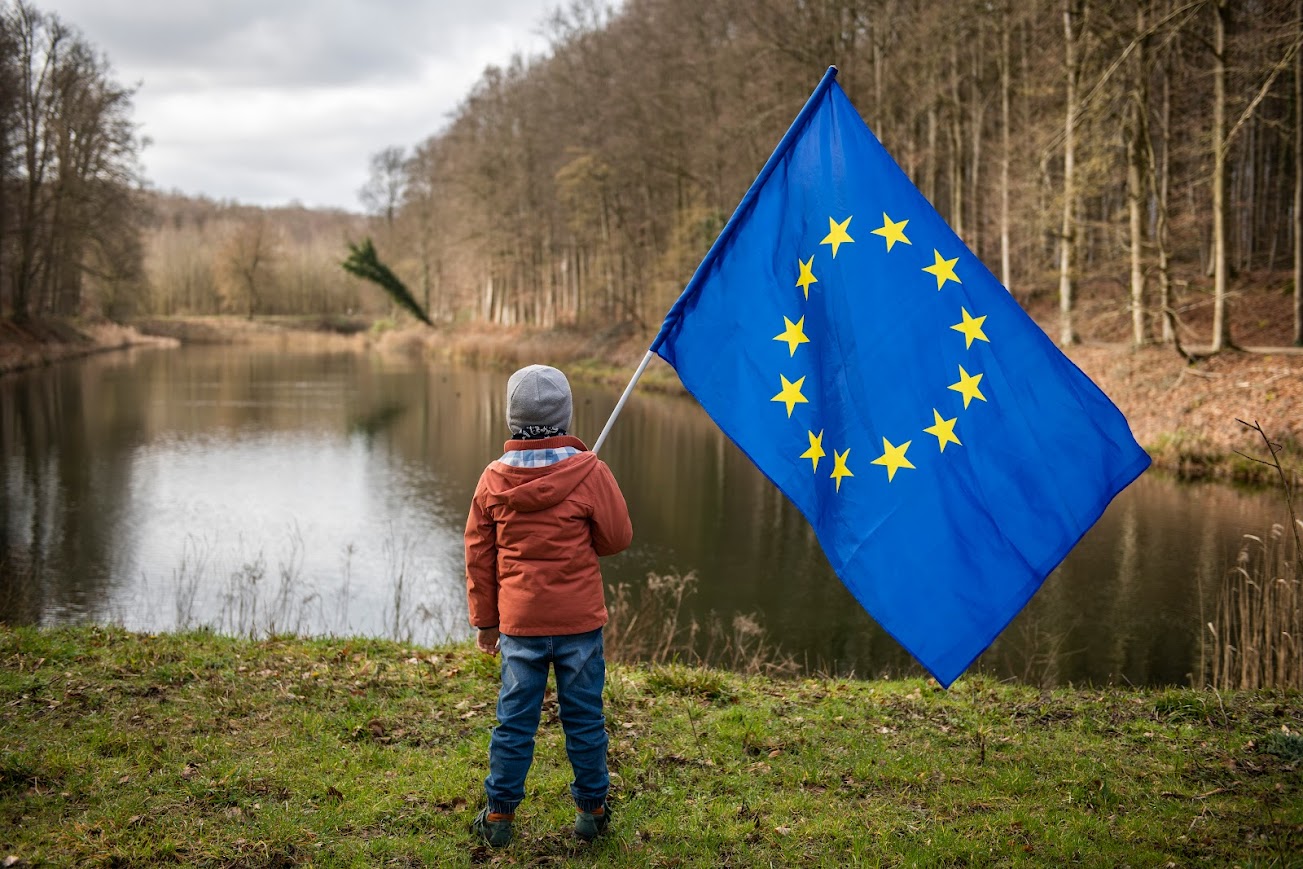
619 405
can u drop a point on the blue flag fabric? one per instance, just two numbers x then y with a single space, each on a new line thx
946 453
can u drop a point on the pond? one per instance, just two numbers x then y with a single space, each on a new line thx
259 490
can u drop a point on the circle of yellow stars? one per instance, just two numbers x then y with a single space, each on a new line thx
894 456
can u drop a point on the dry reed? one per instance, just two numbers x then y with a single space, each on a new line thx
1256 630
648 624
1259 620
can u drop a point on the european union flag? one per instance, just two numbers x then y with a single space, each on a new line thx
946 453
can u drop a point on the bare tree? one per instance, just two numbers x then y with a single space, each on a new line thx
1136 134
421 190
40 42
10 89
246 262
1298 179
585 186
1072 12
383 191
1221 334
1006 147
69 213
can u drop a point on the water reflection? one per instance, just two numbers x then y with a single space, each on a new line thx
258 490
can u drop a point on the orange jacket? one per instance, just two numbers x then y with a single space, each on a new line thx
533 537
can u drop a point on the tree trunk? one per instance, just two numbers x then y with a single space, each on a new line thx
1067 243
1221 337
930 159
1006 150
6 302
977 109
875 43
1135 193
1298 183
1165 301
1136 186
955 162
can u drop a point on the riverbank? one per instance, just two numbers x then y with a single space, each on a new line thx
1183 413
1186 414
126 749
34 344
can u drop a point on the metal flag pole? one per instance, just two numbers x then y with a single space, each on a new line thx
619 405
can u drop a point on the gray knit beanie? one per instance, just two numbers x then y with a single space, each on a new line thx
538 395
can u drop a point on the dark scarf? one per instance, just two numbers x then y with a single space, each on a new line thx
537 432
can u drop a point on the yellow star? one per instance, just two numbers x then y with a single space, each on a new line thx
794 335
839 468
943 269
791 394
837 234
807 276
967 387
893 458
943 431
891 231
815 452
972 328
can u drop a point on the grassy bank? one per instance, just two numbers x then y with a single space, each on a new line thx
119 749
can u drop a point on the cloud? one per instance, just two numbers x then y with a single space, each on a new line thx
295 43
267 101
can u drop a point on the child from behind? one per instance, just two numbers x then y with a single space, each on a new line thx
541 516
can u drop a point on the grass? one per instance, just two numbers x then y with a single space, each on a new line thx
122 749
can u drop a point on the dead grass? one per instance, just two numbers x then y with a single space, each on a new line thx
1257 631
38 343
648 625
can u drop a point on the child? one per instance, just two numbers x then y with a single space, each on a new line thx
541 516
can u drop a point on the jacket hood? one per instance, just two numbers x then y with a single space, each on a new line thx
528 490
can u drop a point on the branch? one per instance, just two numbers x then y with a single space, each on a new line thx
1275 450
1258 98
1084 102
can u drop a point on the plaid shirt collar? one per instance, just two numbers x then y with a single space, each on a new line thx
540 458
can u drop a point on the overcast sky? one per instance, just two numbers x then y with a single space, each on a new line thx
269 101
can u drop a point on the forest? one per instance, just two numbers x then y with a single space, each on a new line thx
1133 162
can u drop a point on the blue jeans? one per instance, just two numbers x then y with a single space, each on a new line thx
580 676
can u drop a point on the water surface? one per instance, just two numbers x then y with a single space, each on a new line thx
254 490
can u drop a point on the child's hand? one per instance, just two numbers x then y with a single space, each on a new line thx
486 640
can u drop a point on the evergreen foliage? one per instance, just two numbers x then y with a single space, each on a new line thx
363 262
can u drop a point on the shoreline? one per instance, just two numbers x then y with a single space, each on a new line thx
1183 413
36 345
